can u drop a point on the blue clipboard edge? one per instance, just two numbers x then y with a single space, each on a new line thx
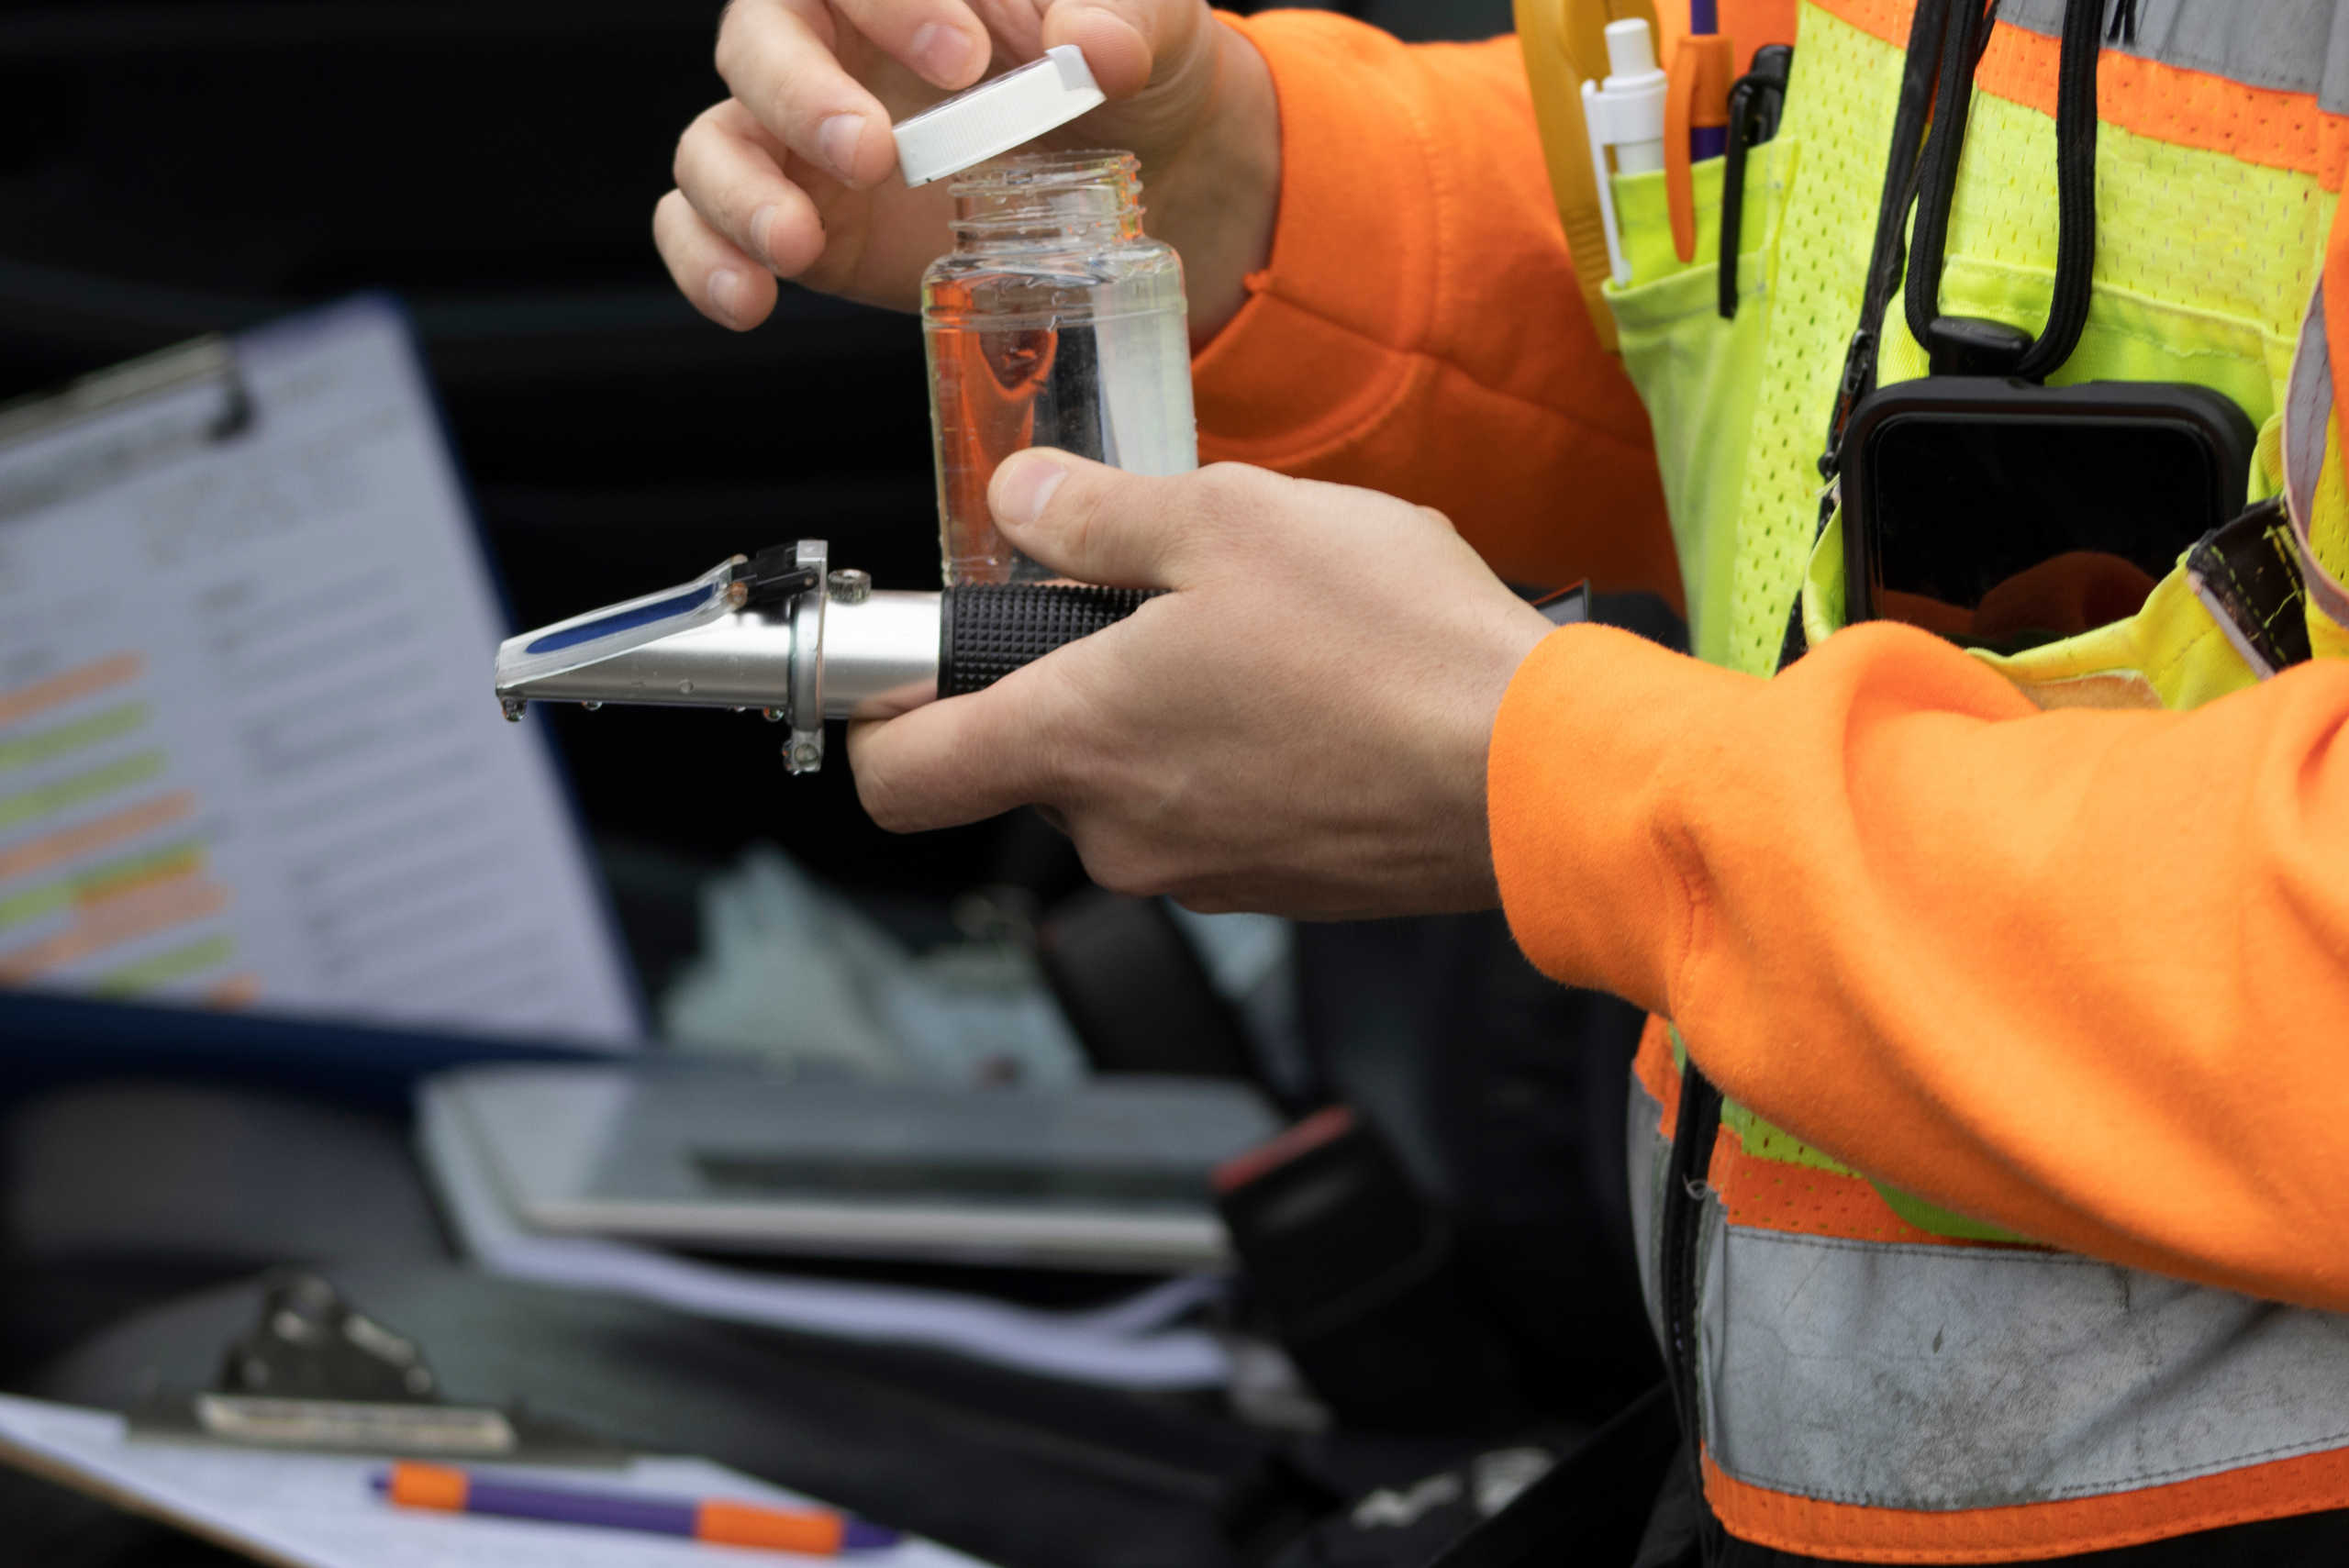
47 1041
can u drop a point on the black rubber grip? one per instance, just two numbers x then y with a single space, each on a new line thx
985 630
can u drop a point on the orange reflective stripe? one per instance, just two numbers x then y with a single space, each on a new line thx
1657 1072
1849 1533
1772 1195
1887 19
2270 127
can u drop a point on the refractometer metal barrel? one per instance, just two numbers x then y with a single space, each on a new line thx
725 641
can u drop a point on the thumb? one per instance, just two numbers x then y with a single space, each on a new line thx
1087 520
1123 40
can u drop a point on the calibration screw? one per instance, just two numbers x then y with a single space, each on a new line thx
850 586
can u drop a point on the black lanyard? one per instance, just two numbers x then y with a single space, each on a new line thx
1962 347
1946 39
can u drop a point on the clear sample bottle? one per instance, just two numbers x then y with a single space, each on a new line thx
1053 322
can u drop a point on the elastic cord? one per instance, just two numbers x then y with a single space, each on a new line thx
1927 29
1966 37
1926 26
1945 151
2067 311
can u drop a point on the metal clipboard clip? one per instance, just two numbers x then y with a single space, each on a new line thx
173 424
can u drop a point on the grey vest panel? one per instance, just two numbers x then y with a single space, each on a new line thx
2292 46
1929 1377
1650 1156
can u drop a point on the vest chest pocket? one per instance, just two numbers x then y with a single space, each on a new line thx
1697 374
2247 601
2175 653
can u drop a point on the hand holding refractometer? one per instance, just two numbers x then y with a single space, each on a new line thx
782 632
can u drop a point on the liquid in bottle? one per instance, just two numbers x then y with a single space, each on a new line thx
1054 321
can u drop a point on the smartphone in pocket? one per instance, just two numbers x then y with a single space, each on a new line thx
2003 515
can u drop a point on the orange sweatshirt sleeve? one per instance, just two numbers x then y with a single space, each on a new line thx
1418 330
2083 975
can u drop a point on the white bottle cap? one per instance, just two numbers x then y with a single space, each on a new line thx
994 116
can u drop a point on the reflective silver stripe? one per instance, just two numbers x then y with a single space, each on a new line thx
2292 46
1650 1156
1958 1377
2308 414
2307 403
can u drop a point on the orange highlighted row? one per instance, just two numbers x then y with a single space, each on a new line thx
153 907
60 689
143 872
54 849
237 991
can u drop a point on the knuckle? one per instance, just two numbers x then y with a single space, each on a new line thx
1229 493
882 800
1224 480
1118 866
667 236
736 22
794 247
695 144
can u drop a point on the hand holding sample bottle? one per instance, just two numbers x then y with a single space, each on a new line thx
794 175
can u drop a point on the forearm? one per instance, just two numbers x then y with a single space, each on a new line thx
1417 329
2054 971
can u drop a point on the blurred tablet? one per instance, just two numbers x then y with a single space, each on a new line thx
1110 1174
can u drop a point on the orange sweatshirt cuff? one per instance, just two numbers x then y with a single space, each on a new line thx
1595 892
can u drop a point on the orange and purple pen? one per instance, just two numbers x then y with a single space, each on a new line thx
717 1520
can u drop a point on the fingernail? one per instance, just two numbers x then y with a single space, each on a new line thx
839 137
726 294
1027 482
938 53
762 240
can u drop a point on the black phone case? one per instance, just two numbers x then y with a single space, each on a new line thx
2095 499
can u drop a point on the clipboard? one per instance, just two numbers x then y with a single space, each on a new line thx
293 1510
248 764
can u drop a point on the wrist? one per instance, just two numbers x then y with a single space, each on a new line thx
1216 197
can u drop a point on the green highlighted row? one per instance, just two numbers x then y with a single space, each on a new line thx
66 739
32 804
148 865
165 967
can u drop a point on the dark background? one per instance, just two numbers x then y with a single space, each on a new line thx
168 169
177 167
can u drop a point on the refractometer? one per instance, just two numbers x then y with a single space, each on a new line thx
782 632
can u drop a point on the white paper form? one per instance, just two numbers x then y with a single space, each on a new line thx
319 1511
249 753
